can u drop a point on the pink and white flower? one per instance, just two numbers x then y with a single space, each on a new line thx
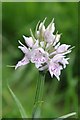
55 69
44 50
39 57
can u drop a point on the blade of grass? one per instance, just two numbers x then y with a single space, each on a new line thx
20 107
66 116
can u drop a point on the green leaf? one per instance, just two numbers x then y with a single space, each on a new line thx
20 107
66 116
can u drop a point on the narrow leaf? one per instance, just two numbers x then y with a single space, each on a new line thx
20 107
66 116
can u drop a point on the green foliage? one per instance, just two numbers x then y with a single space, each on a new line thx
59 97
20 107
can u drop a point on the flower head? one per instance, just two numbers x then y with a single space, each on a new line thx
44 50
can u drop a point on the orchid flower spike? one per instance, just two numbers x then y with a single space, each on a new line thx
44 50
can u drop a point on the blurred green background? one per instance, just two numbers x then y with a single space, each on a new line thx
61 97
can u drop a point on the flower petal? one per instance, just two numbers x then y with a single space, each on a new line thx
55 69
28 41
24 49
36 45
57 38
49 37
24 61
57 72
63 48
56 47
39 56
64 61
51 26
57 57
41 27
42 44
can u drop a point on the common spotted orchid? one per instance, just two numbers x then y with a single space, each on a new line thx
45 50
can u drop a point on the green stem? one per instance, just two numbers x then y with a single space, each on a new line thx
38 96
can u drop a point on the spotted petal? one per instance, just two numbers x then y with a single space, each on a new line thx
39 57
55 69
24 61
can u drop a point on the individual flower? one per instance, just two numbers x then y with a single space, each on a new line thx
55 69
44 50
39 57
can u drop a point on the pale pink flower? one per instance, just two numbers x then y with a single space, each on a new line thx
44 50
55 69
39 57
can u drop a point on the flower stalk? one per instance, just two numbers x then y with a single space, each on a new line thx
38 96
